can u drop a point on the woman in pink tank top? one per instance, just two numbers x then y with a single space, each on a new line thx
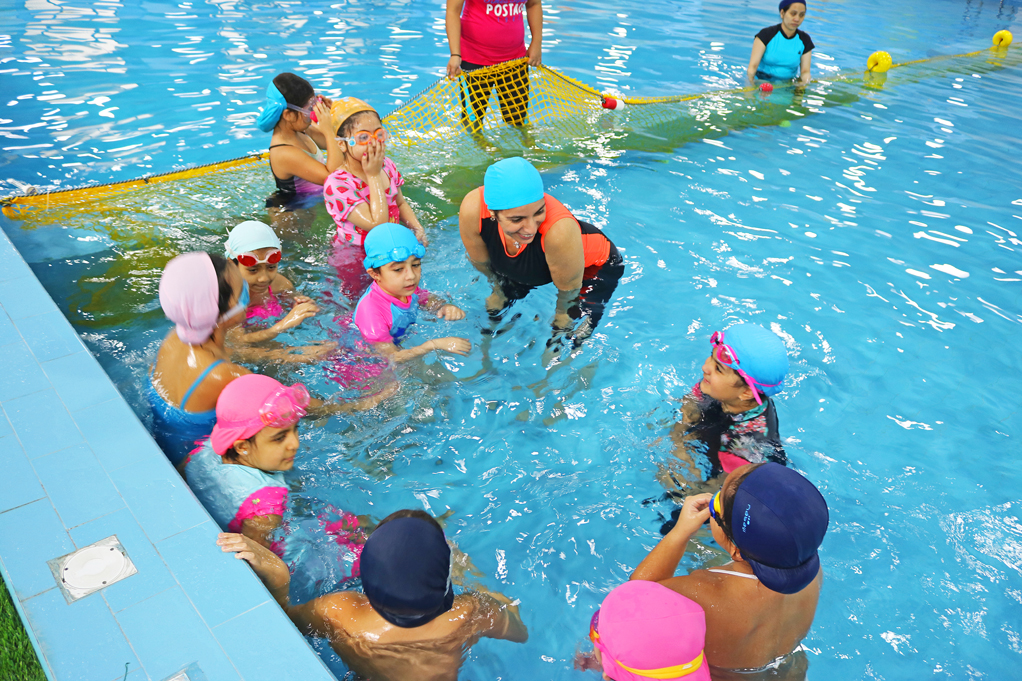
486 32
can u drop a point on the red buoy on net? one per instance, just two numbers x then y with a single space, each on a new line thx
766 87
611 103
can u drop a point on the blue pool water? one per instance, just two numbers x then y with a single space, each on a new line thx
879 237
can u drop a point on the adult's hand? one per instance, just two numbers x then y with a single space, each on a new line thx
454 67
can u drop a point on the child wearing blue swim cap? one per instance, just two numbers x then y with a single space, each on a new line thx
783 51
728 416
391 304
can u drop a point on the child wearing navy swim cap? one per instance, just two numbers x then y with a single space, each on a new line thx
728 416
408 623
783 51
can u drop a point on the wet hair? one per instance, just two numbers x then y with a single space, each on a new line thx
296 90
231 455
349 124
728 500
411 513
224 288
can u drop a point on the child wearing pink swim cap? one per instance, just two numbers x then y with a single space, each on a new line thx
238 471
644 630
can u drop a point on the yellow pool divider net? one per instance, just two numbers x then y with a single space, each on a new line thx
490 102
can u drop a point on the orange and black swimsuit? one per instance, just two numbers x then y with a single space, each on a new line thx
520 273
529 267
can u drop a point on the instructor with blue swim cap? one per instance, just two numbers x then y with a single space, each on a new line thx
520 237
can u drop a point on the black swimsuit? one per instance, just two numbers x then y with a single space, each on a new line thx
529 269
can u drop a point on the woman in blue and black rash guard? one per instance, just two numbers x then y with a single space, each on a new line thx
783 52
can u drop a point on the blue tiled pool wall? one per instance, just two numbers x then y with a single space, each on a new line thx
80 467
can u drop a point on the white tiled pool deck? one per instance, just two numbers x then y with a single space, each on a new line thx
78 466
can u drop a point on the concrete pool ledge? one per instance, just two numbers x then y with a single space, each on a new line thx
78 467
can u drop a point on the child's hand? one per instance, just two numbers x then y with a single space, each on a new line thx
324 121
298 298
372 159
266 564
297 315
458 346
694 513
451 313
420 234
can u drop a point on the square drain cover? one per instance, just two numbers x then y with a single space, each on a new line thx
92 568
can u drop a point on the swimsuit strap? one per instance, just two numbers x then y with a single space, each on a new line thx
732 572
195 385
274 146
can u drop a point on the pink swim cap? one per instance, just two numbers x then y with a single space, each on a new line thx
252 402
189 296
645 631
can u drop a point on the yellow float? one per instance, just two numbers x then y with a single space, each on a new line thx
879 62
1002 38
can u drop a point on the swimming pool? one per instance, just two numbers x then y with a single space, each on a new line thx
879 237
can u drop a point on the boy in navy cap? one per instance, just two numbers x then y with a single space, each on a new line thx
408 624
728 416
771 521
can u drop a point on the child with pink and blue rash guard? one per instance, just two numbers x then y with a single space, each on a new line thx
391 305
238 472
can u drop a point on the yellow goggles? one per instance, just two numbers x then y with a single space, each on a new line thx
666 672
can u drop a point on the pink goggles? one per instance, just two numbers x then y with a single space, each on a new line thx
726 355
284 407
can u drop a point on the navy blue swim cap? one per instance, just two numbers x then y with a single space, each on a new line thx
778 520
785 4
406 572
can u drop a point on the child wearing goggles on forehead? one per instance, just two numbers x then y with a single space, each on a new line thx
300 122
238 471
256 249
390 306
364 192
728 416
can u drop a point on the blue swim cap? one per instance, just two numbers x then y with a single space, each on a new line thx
272 108
761 354
785 4
778 520
390 242
406 571
511 183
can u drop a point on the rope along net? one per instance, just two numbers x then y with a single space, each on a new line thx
512 107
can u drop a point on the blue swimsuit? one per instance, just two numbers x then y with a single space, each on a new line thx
783 56
177 430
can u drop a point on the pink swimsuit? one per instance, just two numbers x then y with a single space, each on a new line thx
268 309
342 191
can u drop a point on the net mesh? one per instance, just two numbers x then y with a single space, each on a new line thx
458 126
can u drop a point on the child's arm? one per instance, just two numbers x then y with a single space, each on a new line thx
663 560
313 617
459 346
259 528
365 216
444 310
505 622
298 314
410 220
301 354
